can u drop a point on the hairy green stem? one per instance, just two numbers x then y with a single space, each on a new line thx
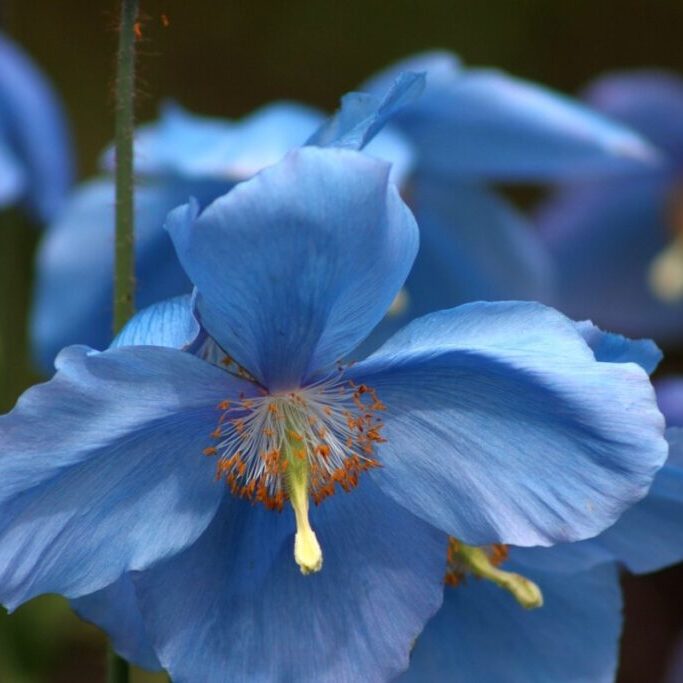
124 271
118 670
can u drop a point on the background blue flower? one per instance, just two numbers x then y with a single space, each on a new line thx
36 164
606 236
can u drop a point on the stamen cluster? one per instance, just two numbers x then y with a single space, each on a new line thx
330 427
458 569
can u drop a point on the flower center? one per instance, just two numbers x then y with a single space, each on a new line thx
289 446
483 563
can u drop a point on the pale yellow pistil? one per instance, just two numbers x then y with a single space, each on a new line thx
307 552
466 559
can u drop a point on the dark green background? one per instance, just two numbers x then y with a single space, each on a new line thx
226 58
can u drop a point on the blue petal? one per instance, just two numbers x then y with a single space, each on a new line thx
12 176
502 427
614 348
115 610
199 147
648 101
103 471
670 399
474 246
32 117
296 266
485 123
646 538
211 611
604 238
169 323
73 295
361 115
482 635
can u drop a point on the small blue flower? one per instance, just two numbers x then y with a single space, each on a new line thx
153 468
474 127
618 242
575 635
36 164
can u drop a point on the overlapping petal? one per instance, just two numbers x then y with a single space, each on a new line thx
604 239
73 294
502 427
645 539
296 266
670 399
354 620
32 117
485 123
103 469
115 610
481 634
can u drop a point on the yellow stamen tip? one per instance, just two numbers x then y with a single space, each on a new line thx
666 274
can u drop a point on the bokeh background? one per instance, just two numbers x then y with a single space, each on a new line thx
226 58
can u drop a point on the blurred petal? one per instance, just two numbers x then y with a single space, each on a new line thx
103 470
474 246
169 323
238 588
648 101
200 147
12 176
115 610
670 399
645 539
604 239
502 427
487 124
481 634
33 118
73 295
296 266
614 348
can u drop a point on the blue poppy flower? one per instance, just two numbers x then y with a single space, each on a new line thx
474 127
36 164
491 422
618 242
180 156
575 635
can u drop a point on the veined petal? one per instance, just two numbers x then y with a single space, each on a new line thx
115 610
481 634
356 619
615 348
296 266
200 147
502 427
33 118
103 471
487 124
646 538
73 295
648 101
168 323
361 115
604 238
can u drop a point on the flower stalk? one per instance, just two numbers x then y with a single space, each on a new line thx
124 269
118 670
